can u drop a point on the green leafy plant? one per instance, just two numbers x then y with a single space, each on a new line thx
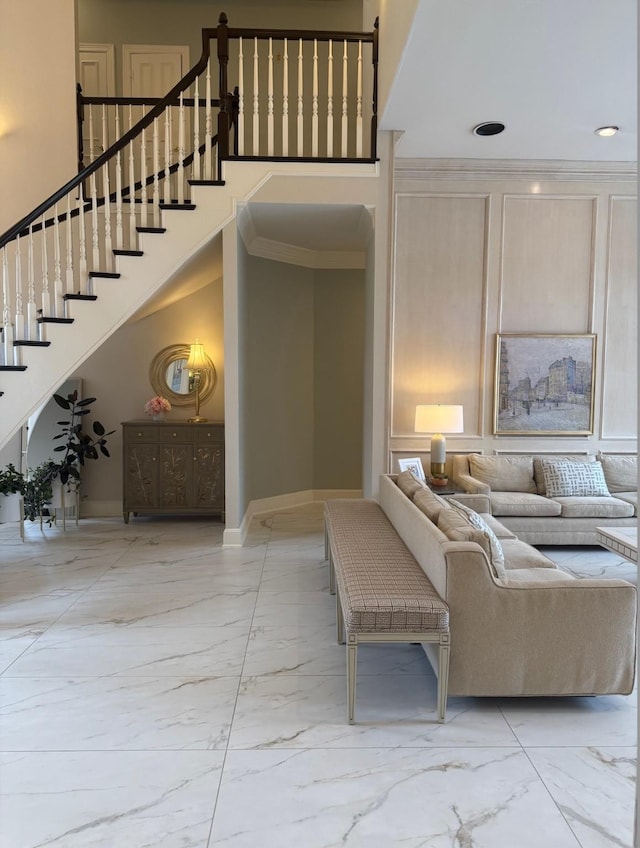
78 445
12 481
39 489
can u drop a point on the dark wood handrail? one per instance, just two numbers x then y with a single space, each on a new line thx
143 101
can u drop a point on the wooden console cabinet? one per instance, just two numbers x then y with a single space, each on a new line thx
172 467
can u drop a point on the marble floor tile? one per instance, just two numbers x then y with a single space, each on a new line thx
379 798
299 609
594 788
110 799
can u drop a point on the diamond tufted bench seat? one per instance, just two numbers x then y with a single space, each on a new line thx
382 594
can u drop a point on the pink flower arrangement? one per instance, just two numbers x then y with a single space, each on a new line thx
157 405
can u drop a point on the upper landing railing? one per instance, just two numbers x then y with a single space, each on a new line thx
287 95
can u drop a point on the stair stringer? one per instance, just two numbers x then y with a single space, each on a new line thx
140 277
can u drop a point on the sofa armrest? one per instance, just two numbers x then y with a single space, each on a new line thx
478 503
472 485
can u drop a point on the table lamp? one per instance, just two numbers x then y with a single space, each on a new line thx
196 364
437 419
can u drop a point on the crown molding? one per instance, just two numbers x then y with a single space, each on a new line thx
514 169
315 259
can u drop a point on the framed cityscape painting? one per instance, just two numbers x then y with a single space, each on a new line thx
544 384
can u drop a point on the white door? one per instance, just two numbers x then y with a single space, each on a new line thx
96 74
151 70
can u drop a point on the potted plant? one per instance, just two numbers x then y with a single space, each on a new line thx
78 446
12 488
39 490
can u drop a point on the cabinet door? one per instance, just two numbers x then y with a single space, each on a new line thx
209 476
140 476
176 475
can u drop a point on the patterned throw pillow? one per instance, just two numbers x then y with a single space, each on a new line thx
408 483
574 479
477 521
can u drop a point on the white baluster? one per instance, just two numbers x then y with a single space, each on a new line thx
69 287
108 245
143 178
95 236
330 101
300 101
314 101
156 174
256 101
32 314
82 240
181 152
133 236
166 186
119 229
7 335
207 124
46 294
240 128
345 100
92 153
270 102
58 291
359 104
20 329
285 100
196 133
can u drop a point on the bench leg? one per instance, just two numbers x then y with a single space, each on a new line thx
339 620
443 676
332 575
352 662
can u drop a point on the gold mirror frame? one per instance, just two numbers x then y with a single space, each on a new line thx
158 376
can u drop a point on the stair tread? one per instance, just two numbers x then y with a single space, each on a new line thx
178 206
206 182
119 252
151 229
13 367
29 343
110 275
79 296
46 320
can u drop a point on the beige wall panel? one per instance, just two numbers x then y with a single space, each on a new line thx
547 264
620 360
439 304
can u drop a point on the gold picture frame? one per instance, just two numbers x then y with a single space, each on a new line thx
544 384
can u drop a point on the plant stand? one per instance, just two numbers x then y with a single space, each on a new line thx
12 510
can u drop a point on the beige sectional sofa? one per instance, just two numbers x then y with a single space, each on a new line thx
519 626
513 488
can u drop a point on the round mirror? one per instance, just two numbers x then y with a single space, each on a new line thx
171 378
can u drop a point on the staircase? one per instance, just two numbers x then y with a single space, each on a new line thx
88 258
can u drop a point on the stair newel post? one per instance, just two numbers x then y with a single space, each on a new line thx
181 150
240 125
133 236
46 294
359 104
270 101
374 105
196 132
314 101
208 123
106 188
20 324
92 154
69 252
330 100
83 271
285 99
32 315
58 291
119 228
300 101
7 334
345 100
156 174
222 37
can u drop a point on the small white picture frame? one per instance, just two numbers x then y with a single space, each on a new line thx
413 464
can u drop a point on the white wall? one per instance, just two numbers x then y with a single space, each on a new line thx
549 250
38 148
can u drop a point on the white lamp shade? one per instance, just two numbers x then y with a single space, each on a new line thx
197 358
438 418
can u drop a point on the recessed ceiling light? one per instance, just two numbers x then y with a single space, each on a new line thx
489 128
606 131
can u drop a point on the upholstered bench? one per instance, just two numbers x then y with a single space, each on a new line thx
382 594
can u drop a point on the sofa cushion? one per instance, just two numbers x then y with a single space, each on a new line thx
522 503
620 472
577 479
538 473
455 524
499 529
518 554
533 577
503 473
430 504
585 507
409 484
630 498
477 521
